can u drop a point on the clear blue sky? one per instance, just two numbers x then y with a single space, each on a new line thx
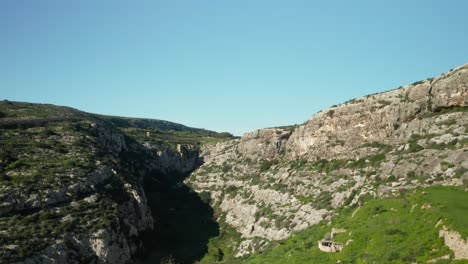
224 65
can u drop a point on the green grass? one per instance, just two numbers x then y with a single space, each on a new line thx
165 134
221 249
453 205
169 139
393 230
19 110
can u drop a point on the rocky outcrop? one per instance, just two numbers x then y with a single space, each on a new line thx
185 159
388 118
450 89
264 143
454 241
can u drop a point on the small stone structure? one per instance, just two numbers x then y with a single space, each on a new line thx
328 245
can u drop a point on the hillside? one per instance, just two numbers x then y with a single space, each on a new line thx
382 178
274 183
401 229
72 183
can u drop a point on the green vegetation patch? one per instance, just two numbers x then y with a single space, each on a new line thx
452 204
446 110
397 230
169 139
266 164
328 166
222 248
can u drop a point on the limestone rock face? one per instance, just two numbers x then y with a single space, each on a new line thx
455 242
274 181
387 118
184 160
264 143
111 139
450 89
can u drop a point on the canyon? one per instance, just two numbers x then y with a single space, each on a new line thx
77 187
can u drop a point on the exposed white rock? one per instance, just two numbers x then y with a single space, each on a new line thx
455 242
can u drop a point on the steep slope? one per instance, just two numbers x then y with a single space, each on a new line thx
72 185
274 182
403 229
69 187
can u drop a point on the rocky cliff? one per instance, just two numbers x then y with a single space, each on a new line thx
388 118
274 182
66 194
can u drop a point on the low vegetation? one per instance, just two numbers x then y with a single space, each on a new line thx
396 230
165 135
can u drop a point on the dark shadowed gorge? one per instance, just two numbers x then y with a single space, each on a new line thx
184 223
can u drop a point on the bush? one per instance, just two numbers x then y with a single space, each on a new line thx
45 215
48 132
414 147
392 178
377 158
226 167
324 165
460 171
266 164
17 165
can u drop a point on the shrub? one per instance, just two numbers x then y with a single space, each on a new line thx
48 132
324 165
391 178
447 164
323 201
17 165
411 174
460 172
231 191
448 122
45 215
226 167
377 158
266 164
384 102
414 147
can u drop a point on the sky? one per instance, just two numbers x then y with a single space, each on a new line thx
231 66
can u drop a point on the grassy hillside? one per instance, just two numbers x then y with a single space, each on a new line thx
397 230
164 134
